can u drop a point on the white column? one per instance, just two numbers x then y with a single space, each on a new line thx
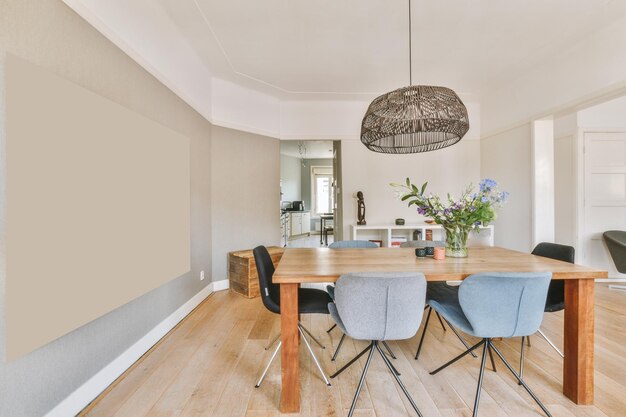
543 181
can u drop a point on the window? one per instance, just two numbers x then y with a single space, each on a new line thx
322 189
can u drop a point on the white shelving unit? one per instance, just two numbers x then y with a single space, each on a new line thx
385 232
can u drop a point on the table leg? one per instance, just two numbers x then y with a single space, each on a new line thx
290 367
321 230
578 342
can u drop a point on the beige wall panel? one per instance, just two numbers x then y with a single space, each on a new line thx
98 206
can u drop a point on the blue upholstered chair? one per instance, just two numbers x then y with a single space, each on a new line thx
378 307
490 305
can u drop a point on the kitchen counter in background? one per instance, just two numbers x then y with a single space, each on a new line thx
295 223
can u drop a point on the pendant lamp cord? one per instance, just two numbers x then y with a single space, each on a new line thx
410 49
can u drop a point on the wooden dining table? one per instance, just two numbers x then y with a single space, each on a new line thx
299 266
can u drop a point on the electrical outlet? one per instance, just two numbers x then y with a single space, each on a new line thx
201 275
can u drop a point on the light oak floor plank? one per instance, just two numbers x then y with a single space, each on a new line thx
208 365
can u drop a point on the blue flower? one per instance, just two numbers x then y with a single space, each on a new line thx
487 184
483 199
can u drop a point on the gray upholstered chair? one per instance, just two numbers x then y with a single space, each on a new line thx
350 244
377 307
492 305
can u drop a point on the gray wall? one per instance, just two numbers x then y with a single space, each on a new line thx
506 158
47 33
245 192
291 178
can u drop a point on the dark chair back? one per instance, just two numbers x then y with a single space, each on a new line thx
616 242
270 292
556 291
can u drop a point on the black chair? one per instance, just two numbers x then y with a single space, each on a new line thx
556 291
433 288
616 242
311 301
440 291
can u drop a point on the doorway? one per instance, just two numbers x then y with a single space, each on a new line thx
308 192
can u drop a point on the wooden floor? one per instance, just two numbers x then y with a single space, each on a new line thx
208 366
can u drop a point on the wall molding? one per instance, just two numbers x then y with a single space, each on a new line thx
223 284
86 393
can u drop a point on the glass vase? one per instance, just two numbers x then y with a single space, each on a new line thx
456 240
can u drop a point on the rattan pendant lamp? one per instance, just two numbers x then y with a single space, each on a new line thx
417 118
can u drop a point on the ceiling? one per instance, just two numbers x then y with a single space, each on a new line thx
315 149
360 47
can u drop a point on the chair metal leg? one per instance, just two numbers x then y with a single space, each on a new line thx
389 349
521 361
393 368
458 357
480 376
343 336
311 335
395 375
441 321
461 338
362 380
550 342
419 347
270 344
306 342
258 384
521 380
331 329
347 365
493 364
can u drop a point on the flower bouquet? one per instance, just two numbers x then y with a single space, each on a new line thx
457 217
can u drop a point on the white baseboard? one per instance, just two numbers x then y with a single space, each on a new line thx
221 285
87 392
612 280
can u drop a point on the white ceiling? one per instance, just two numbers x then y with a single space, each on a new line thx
300 48
315 149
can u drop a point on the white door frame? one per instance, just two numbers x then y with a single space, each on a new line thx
579 189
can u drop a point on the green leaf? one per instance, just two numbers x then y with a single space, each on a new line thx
406 197
424 187
408 182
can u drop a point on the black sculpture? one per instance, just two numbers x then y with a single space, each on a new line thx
361 213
